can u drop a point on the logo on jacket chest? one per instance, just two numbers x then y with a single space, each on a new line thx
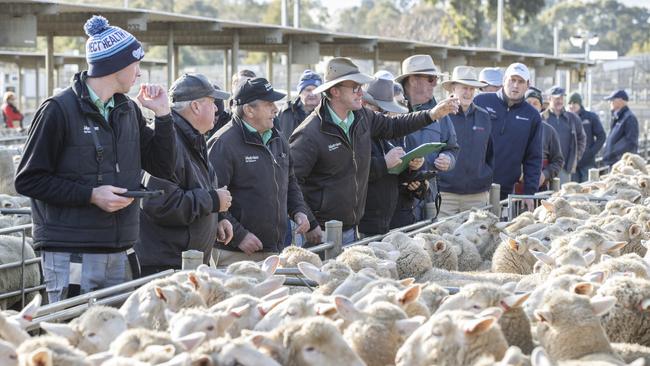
251 158
521 118
332 147
87 129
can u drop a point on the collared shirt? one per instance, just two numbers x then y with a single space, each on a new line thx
343 123
266 135
104 108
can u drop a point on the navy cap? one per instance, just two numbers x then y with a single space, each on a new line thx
256 89
618 94
557 90
533 92
192 86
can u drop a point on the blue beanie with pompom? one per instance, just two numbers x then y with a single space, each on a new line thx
109 49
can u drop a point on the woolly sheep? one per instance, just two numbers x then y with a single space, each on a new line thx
631 352
567 282
12 249
454 338
629 320
258 308
432 295
8 354
253 270
413 260
310 341
49 351
297 306
355 282
12 326
152 346
481 228
328 277
626 263
540 358
292 255
624 229
402 295
513 254
214 324
247 285
361 257
225 351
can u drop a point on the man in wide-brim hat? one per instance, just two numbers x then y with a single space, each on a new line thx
331 148
467 186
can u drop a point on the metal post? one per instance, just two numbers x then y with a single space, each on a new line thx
289 62
429 210
226 74
177 62
20 88
49 65
337 51
375 60
495 199
334 235
499 24
234 52
296 13
594 175
191 259
555 184
556 42
38 84
284 21
269 66
170 57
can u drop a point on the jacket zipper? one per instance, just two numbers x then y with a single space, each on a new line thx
277 194
117 168
354 163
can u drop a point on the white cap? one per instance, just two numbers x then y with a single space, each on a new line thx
518 69
491 76
384 74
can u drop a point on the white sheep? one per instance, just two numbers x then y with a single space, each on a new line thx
152 346
214 324
292 255
257 309
12 249
12 326
513 254
629 319
328 277
49 351
482 228
442 254
8 354
226 351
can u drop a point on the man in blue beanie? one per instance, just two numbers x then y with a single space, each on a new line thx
86 147
294 112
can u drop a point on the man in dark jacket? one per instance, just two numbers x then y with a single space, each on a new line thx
624 133
594 133
186 216
332 147
419 78
86 146
516 132
468 185
252 158
294 112
569 130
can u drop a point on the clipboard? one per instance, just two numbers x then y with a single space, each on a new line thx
418 152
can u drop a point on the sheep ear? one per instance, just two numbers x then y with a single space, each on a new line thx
346 308
386 265
326 309
513 356
164 294
169 314
611 246
493 311
583 288
543 316
194 280
645 305
407 281
277 294
269 285
407 326
271 264
595 277
548 206
252 358
543 257
501 226
540 358
479 325
439 246
590 257
634 230
504 237
601 305
515 301
41 357
240 310
268 305
212 272
191 341
509 286
409 295
29 311
61 330
313 273
514 244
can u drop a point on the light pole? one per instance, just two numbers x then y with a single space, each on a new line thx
587 39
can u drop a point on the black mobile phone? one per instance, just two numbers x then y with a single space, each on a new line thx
141 194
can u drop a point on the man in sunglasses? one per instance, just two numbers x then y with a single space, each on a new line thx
332 147
420 76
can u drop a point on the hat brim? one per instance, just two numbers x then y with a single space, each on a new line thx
274 96
359 78
392 107
218 94
471 83
430 73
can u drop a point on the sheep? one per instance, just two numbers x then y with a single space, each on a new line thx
568 327
454 278
442 254
292 255
632 160
355 282
626 263
448 225
525 219
482 228
454 338
8 355
225 351
328 277
395 293
592 240
310 341
360 257
296 307
631 352
561 227
211 290
480 296
627 230
12 327
413 260
258 308
12 250
247 285
214 324
152 346
514 256
253 270
540 358
376 333
567 282
616 208
629 320
432 295
558 207
50 351
93 331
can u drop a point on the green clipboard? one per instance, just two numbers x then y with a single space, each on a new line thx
418 152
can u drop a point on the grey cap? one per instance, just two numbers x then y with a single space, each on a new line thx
192 86
491 76
380 92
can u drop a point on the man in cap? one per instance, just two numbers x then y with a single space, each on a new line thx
468 185
294 112
332 146
86 146
492 77
552 159
516 132
384 188
594 133
624 133
186 216
420 76
569 130
253 159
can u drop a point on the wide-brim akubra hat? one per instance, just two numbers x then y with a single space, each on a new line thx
418 65
340 69
465 75
380 93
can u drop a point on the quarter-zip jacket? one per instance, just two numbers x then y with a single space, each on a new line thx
517 139
59 169
577 139
261 181
595 136
475 160
623 136
185 217
332 169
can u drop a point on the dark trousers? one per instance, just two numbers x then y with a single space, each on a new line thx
582 173
149 270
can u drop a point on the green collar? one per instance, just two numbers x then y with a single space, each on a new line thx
343 123
266 135
104 108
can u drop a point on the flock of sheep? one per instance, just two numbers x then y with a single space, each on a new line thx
567 284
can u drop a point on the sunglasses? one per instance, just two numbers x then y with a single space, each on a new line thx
429 78
355 89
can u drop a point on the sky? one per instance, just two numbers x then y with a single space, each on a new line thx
337 4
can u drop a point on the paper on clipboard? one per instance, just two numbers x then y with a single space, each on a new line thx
418 152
